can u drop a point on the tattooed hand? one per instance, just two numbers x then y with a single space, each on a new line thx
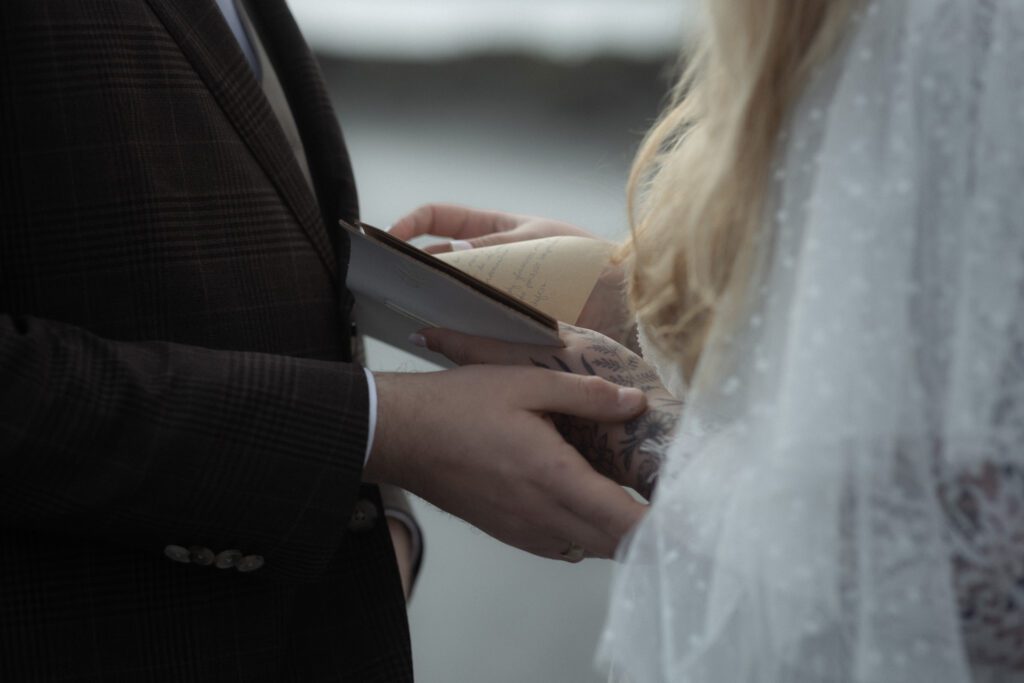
629 453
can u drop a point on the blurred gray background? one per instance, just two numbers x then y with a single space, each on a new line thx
530 106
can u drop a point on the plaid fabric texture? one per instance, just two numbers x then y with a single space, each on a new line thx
173 339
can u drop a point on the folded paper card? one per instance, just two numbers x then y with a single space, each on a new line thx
515 292
554 275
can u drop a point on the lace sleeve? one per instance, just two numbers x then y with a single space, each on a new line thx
985 509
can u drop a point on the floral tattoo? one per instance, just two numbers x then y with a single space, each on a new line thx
630 453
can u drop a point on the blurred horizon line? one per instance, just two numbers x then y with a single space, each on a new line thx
560 30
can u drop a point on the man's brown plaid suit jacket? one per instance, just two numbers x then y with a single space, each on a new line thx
173 338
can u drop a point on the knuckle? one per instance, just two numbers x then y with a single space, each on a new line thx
551 481
423 219
457 352
596 390
420 217
602 549
517 527
621 525
455 348
554 472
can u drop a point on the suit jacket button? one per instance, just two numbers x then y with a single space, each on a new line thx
364 516
250 563
227 559
177 553
202 556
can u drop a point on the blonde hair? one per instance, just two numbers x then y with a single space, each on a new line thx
698 184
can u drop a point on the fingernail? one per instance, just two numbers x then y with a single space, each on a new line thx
417 339
461 245
630 399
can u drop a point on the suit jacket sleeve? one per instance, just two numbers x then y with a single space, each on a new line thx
150 444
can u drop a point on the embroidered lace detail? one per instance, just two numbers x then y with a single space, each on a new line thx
985 509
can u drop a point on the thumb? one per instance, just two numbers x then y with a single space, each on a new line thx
585 396
464 349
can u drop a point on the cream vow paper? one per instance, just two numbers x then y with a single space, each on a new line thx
555 275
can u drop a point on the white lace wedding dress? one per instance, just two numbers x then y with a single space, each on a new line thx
844 501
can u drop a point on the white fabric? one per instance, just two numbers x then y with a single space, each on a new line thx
845 501
234 22
371 388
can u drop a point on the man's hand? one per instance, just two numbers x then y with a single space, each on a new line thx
479 443
606 311
628 452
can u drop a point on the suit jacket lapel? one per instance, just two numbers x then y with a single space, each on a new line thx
315 117
204 37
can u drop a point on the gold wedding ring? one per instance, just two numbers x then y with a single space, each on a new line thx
574 553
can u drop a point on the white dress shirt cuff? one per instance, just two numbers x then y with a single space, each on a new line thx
371 387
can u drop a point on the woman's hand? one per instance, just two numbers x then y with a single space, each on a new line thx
471 228
628 452
606 311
